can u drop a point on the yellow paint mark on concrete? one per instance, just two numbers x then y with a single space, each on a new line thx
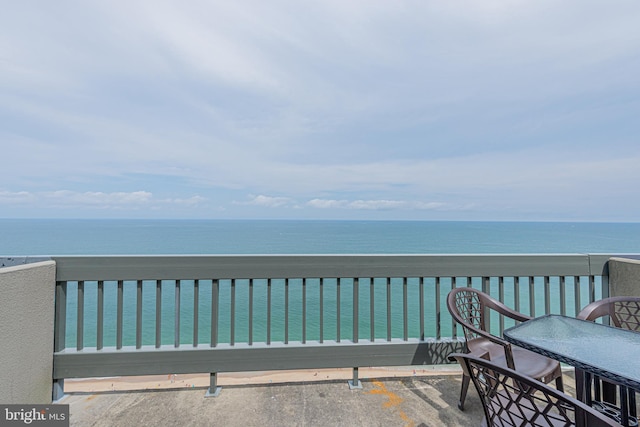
393 402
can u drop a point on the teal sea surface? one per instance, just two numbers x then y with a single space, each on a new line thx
20 237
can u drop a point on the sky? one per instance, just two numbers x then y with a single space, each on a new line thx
367 110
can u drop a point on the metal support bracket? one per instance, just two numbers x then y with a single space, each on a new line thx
213 390
355 383
58 390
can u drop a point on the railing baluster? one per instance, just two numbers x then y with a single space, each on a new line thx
388 308
372 308
604 284
405 310
268 311
119 315
454 324
250 311
215 305
576 286
176 334
338 309
421 296
532 297
486 288
196 304
501 298
304 310
286 311
592 289
100 316
563 295
158 313
486 284
516 293
438 310
80 317
321 310
139 315
356 291
232 325
547 295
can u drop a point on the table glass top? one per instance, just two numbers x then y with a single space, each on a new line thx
578 342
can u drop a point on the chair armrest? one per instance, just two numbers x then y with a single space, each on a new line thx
506 311
594 310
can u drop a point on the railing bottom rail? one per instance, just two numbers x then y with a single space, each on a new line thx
186 359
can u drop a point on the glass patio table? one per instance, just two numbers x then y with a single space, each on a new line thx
593 348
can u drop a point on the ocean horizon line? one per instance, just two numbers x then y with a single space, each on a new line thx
486 221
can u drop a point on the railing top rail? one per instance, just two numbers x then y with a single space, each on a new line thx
149 267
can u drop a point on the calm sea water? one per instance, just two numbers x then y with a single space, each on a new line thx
69 237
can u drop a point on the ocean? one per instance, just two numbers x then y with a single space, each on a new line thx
42 237
21 237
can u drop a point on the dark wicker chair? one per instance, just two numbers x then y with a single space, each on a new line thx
623 312
469 307
512 399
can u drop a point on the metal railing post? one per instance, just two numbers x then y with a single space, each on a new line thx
213 390
354 383
60 332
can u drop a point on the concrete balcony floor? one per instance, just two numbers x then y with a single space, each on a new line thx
407 399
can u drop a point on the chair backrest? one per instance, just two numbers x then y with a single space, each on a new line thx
469 307
512 399
623 311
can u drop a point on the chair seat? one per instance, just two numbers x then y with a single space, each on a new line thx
530 364
526 362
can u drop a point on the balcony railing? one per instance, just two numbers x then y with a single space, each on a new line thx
142 315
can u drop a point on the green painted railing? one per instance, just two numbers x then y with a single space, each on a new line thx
141 315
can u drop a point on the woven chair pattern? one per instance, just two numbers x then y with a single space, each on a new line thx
471 310
510 399
510 402
627 315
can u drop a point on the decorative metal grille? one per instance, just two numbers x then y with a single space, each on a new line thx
627 314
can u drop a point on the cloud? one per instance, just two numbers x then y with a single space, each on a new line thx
66 199
327 204
374 204
14 198
191 201
97 198
273 202
267 201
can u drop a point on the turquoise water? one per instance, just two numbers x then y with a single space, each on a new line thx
67 237
295 328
